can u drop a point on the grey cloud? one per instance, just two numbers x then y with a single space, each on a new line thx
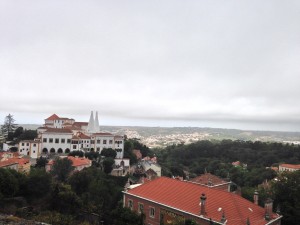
152 60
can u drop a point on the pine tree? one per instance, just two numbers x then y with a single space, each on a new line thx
9 126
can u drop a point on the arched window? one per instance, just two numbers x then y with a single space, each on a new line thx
59 151
45 150
122 163
52 150
67 150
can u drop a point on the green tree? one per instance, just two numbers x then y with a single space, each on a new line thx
287 196
41 162
28 135
108 165
8 183
109 152
61 169
65 200
124 216
9 126
39 183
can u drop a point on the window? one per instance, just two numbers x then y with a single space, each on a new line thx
74 146
34 145
98 141
50 140
56 140
92 141
110 142
27 144
152 212
130 204
104 142
45 140
63 140
33 151
22 144
141 208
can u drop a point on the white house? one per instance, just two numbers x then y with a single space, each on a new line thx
31 148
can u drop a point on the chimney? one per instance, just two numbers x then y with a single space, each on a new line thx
268 209
248 221
255 197
202 204
223 218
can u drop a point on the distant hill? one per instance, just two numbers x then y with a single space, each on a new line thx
164 136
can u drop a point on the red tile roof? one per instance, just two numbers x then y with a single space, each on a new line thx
83 136
185 196
53 117
291 166
58 130
75 161
11 161
79 161
206 178
7 162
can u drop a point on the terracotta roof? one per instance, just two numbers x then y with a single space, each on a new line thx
185 196
237 163
79 161
53 117
11 161
83 136
7 162
291 166
58 130
75 161
206 178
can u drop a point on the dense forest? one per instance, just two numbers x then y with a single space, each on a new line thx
65 197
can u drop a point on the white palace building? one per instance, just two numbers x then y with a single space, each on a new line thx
64 135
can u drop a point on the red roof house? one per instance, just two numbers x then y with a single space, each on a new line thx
212 181
165 200
77 162
289 167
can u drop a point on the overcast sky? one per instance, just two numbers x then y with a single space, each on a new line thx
233 64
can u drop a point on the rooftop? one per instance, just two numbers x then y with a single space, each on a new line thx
58 130
185 196
291 166
208 179
53 117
